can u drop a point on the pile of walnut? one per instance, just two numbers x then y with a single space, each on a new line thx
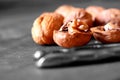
70 26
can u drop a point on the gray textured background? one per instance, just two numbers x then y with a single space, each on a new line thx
17 47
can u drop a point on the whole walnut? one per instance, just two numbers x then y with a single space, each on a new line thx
43 27
108 15
109 33
95 11
64 10
79 13
72 34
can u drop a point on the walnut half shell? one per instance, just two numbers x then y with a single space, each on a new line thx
110 33
72 34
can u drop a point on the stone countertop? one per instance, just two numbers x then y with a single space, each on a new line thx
17 47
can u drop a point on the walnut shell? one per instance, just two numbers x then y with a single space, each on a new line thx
108 15
73 34
43 27
64 10
67 40
94 10
79 13
106 36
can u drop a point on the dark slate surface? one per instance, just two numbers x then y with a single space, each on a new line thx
17 47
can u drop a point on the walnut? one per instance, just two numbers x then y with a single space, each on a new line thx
43 27
70 26
109 33
108 15
64 10
79 13
72 34
94 10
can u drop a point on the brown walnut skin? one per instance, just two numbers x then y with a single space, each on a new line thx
108 15
43 27
79 13
73 36
108 36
